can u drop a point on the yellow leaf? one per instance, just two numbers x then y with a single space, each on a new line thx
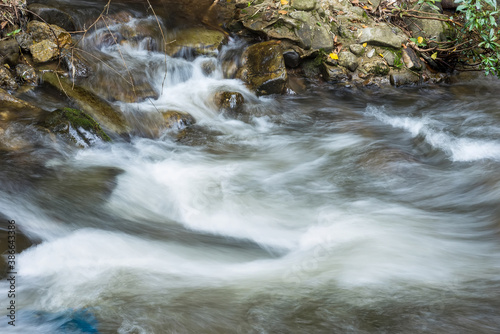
334 56
284 2
434 55
420 39
365 7
455 49
381 55
365 44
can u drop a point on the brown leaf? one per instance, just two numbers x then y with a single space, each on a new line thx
282 12
3 24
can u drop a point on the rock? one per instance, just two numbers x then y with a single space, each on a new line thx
292 58
200 41
376 67
403 78
229 101
375 4
75 126
435 30
263 68
40 31
370 53
10 101
90 103
7 81
52 15
357 49
27 74
208 66
177 119
312 34
389 56
44 51
303 4
9 52
411 60
24 40
382 36
76 65
115 88
348 60
335 73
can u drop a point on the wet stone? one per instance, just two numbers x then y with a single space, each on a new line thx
27 74
292 58
7 81
229 101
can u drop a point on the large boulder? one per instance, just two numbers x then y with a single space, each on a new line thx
263 68
430 29
382 36
48 41
75 126
311 32
90 103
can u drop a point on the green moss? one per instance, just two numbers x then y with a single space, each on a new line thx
80 119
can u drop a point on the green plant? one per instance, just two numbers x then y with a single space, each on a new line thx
480 33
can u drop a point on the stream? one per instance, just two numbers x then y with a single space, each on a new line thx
337 210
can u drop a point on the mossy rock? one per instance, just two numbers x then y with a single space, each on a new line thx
75 126
90 103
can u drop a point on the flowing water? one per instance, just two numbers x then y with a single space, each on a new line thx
333 211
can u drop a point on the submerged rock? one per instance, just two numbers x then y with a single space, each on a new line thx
229 101
263 68
177 120
199 41
27 74
75 126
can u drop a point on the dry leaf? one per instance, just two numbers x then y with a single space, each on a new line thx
334 56
364 26
381 55
365 44
335 39
284 2
3 24
282 12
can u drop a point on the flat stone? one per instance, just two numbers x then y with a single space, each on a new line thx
200 40
303 4
312 33
382 36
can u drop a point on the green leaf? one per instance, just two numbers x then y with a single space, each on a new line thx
492 3
14 33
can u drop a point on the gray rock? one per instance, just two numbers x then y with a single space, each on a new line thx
334 73
411 60
200 40
370 53
382 36
357 49
76 65
311 32
303 4
24 40
428 28
403 78
389 56
348 60
376 67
